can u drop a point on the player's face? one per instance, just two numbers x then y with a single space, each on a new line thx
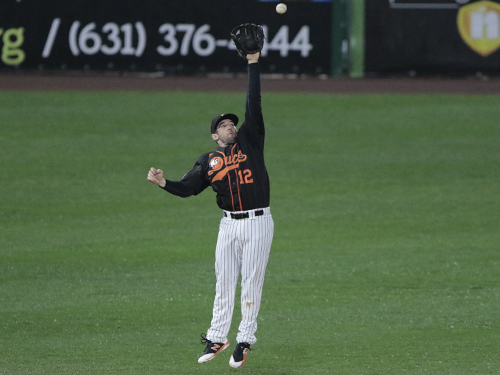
226 132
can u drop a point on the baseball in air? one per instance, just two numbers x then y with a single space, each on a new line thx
281 8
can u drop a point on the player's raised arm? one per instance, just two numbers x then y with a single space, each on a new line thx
249 40
253 112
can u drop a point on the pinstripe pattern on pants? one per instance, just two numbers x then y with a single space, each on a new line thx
243 247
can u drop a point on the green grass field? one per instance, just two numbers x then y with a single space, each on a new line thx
386 254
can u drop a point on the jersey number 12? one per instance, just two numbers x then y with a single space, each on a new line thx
245 176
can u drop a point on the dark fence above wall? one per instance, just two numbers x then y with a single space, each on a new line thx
184 37
451 37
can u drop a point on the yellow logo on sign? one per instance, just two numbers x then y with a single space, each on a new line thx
479 26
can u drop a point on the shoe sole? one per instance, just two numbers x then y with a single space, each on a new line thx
224 347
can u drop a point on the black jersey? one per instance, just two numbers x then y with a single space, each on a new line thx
237 173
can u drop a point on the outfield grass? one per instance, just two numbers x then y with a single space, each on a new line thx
386 255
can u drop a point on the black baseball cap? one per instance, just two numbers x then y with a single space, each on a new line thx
216 120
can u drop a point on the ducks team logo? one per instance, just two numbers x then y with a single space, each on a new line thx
216 164
479 26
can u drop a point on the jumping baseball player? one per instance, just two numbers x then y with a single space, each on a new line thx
237 173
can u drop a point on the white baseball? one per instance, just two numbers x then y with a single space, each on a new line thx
281 8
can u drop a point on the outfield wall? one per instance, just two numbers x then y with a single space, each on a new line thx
337 37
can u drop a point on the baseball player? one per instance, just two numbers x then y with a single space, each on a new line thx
237 173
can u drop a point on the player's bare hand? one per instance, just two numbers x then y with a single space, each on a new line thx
155 176
253 57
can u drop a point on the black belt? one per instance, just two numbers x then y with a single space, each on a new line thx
244 215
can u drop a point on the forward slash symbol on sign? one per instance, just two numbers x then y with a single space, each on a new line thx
47 49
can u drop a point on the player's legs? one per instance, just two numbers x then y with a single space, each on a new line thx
255 255
227 270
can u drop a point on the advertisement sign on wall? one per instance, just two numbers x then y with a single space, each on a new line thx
186 36
432 37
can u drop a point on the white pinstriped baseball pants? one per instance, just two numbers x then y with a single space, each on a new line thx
243 247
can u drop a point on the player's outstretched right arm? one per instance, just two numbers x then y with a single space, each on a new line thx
155 176
192 183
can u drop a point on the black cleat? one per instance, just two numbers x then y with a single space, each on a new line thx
211 350
239 355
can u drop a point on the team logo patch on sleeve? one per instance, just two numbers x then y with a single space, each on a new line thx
216 164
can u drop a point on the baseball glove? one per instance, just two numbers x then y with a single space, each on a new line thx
248 38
